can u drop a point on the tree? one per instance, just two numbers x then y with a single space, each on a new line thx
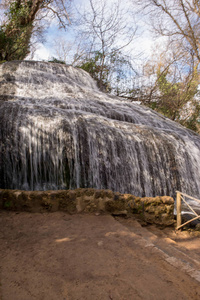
69 50
113 75
93 65
174 95
176 75
179 20
22 17
107 32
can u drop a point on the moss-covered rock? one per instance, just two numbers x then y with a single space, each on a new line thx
158 210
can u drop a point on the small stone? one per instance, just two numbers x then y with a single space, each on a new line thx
197 227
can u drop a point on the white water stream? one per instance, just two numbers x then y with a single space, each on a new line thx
57 131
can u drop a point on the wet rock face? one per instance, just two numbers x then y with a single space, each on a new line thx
58 131
158 210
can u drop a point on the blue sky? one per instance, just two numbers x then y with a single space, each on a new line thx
143 42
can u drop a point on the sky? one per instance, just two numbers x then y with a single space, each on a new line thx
142 44
141 49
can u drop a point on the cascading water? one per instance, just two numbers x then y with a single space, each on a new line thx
58 131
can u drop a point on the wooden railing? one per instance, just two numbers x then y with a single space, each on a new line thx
181 197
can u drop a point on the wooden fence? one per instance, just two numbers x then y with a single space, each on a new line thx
181 197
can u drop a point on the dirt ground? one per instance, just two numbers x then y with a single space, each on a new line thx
56 256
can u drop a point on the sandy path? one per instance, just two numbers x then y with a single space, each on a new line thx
57 256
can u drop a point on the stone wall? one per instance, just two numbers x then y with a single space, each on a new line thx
157 210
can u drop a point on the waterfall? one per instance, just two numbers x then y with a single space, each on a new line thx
58 131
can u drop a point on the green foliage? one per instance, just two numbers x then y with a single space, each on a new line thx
98 69
176 100
57 61
15 34
2 44
110 71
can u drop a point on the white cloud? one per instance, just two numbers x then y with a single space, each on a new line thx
41 53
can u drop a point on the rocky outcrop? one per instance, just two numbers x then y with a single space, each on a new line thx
157 210
58 131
